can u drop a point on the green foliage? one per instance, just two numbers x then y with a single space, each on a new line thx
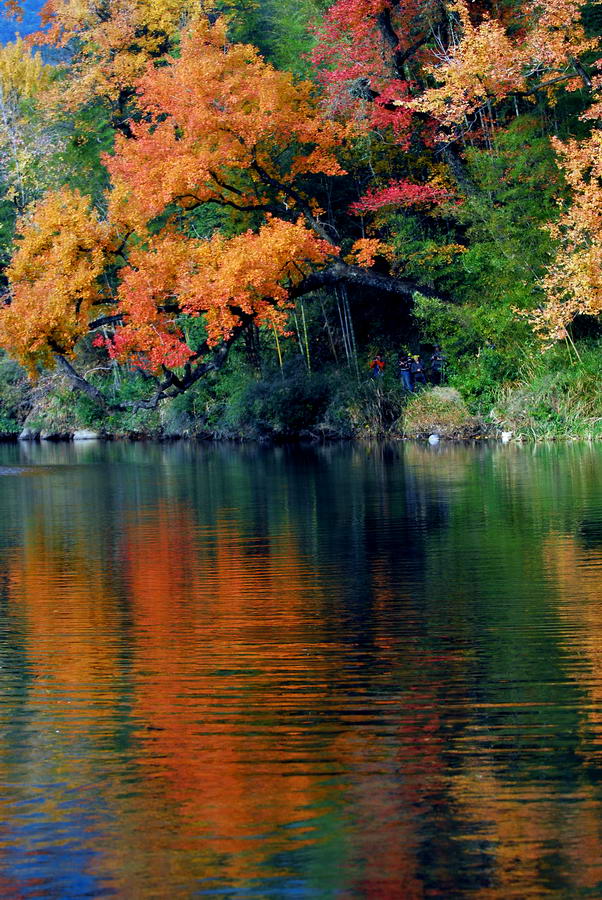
439 410
557 395
507 246
501 227
14 396
281 404
281 29
88 136
484 346
374 407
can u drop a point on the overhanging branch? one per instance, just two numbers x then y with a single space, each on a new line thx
356 275
169 386
79 382
207 359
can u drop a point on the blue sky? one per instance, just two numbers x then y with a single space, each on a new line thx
9 28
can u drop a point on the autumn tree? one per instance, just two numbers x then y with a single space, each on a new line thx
55 278
28 139
105 46
219 128
573 282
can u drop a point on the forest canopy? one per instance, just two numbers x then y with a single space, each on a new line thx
178 176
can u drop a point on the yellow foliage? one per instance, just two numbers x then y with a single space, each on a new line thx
54 278
437 253
22 73
486 62
573 283
115 41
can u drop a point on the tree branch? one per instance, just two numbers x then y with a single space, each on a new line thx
294 195
356 275
399 57
221 201
170 386
105 320
80 383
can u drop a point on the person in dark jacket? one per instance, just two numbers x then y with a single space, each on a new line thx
417 371
437 366
403 366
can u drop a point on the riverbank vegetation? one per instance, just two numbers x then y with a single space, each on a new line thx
213 218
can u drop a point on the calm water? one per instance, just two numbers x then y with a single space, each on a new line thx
340 672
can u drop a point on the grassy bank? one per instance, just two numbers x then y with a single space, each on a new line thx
555 396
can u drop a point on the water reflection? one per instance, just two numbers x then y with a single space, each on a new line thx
347 671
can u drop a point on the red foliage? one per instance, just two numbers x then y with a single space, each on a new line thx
352 57
402 193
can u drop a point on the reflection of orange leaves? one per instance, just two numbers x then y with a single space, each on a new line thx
578 573
208 592
62 589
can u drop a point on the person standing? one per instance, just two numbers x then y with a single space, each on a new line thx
376 366
417 371
437 365
403 365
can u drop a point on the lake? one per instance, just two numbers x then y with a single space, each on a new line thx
347 671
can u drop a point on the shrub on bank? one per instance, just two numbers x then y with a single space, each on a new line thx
442 411
280 405
558 396
371 408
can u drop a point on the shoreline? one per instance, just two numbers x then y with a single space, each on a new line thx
485 435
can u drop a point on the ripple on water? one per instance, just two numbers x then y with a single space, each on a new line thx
328 673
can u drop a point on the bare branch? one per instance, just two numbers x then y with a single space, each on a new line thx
80 383
339 272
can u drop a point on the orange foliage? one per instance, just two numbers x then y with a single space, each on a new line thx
488 62
573 283
220 278
220 116
114 41
54 278
365 250
556 36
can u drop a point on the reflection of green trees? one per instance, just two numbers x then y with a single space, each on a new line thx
488 583
425 648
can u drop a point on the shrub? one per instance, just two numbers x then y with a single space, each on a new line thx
439 410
